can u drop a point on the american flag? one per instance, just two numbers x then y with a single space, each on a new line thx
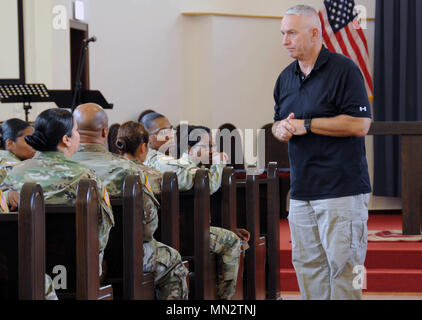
342 33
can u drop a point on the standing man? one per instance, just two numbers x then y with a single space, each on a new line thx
322 111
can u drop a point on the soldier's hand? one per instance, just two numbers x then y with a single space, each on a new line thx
13 200
196 156
219 157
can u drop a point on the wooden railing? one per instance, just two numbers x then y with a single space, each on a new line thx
411 169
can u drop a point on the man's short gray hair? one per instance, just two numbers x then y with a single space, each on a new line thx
302 10
305 10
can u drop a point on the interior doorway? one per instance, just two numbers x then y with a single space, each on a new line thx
78 32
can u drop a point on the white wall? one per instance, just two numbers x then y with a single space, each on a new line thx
137 60
47 54
9 53
259 8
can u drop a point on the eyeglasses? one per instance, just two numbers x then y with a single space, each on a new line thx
163 131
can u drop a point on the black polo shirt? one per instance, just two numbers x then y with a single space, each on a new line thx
323 167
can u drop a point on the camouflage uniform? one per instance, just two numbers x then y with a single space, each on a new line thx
3 174
223 242
227 245
184 168
7 161
112 170
4 208
165 262
50 293
154 176
59 178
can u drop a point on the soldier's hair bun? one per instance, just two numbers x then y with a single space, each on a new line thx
50 127
123 144
130 136
38 140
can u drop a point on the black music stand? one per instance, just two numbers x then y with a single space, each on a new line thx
64 98
29 93
24 93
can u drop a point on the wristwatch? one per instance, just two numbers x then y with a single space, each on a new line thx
308 125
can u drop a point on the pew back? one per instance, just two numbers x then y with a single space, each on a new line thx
22 248
258 209
124 251
185 225
72 242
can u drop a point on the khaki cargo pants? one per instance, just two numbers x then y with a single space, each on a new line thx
329 242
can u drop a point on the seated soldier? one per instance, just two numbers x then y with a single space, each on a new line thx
224 243
13 145
165 262
56 138
132 142
161 141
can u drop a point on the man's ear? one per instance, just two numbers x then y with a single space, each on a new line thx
104 132
144 147
315 34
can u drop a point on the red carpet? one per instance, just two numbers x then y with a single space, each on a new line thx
391 266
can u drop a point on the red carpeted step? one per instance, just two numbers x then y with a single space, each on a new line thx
288 280
378 280
391 266
399 257
393 280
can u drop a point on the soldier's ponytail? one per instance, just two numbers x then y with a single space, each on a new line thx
50 127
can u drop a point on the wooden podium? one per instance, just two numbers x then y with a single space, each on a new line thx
411 168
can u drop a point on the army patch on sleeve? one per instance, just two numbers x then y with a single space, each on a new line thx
3 202
106 197
147 185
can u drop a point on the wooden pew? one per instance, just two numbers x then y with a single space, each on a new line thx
87 268
276 151
124 252
22 248
258 211
170 206
223 204
192 209
273 232
255 255
35 220
72 241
